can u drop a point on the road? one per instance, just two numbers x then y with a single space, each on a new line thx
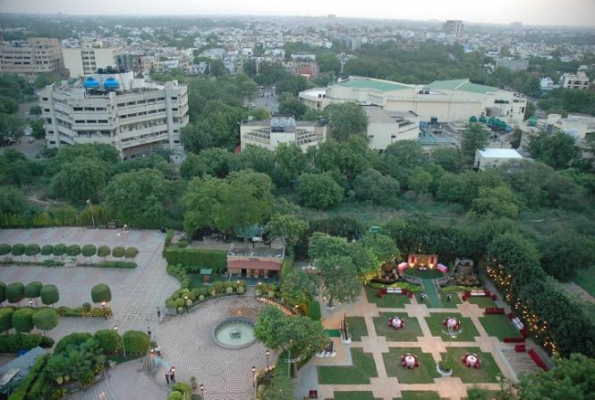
269 100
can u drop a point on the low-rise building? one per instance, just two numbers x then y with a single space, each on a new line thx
253 262
282 129
304 65
580 80
115 108
32 57
388 127
492 158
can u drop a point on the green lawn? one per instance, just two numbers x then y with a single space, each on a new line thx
410 334
487 373
453 301
387 301
435 323
196 280
354 396
414 395
586 279
482 302
427 274
360 372
425 373
499 326
357 328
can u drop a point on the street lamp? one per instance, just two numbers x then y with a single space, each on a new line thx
31 303
91 209
254 376
122 338
103 308
172 374
186 303
268 353
202 391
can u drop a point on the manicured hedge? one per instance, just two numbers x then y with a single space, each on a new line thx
195 259
96 312
101 293
15 343
109 340
136 342
27 388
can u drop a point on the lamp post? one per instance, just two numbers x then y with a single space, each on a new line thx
202 391
103 308
186 303
31 303
91 209
254 376
268 353
122 338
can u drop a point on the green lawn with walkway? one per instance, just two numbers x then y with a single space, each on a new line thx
487 372
421 395
410 333
482 302
388 300
427 274
499 326
425 373
455 299
435 323
354 396
360 372
357 328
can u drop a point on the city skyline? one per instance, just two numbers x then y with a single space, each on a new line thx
530 12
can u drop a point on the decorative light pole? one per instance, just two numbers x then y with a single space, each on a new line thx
268 353
202 391
186 303
122 338
91 209
31 303
103 308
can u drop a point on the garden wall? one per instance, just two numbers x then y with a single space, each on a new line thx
194 259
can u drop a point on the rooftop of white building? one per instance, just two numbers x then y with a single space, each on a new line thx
500 153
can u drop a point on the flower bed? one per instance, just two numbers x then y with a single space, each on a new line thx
85 311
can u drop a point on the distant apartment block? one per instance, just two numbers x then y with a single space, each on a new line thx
282 129
115 108
89 58
454 28
580 80
137 63
512 64
31 57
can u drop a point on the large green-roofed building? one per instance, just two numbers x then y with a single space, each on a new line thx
374 84
462 84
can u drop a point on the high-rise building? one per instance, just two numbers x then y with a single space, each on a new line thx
88 58
115 108
454 28
31 57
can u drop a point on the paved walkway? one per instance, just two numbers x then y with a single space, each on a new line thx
389 388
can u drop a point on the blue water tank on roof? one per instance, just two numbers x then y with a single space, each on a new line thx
91 83
111 83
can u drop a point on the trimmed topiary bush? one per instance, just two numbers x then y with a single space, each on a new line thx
45 319
73 250
2 292
32 250
89 251
104 251
5 249
118 252
131 252
101 293
60 250
15 292
18 250
50 295
33 290
136 342
47 250
22 320
6 319
109 340
74 339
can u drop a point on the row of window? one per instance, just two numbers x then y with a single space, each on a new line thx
142 113
90 121
141 102
88 109
145 136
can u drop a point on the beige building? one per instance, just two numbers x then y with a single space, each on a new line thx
441 101
580 80
388 127
88 58
282 129
29 58
492 158
114 108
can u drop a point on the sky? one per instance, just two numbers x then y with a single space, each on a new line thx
530 12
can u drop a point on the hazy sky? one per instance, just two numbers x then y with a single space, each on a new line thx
536 12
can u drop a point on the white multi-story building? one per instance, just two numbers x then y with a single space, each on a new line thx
440 101
114 108
31 57
388 127
282 129
492 158
88 58
580 80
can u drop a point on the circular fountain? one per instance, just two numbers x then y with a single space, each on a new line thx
234 333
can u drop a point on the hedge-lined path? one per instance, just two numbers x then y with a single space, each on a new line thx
136 293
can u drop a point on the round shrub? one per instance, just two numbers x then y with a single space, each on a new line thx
101 293
103 251
49 295
22 320
241 289
109 340
229 290
15 292
5 249
32 249
73 250
33 290
180 310
89 250
45 319
46 342
171 304
131 252
60 249
175 396
180 302
136 342
2 292
47 250
118 252
86 307
18 250
201 297
72 339
6 318
181 387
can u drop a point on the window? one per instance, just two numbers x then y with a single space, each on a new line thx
77 108
102 121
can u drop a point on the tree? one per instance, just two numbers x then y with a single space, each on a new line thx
11 126
118 252
47 250
383 246
339 279
101 293
32 250
291 105
50 295
81 179
131 252
60 250
400 158
8 105
203 201
473 138
6 319
35 110
12 200
192 167
109 340
15 292
564 252
281 386
255 158
573 378
136 342
103 251
371 185
420 181
319 191
558 150
38 131
290 162
45 319
495 203
18 250
22 320
448 158
73 250
297 287
33 289
89 251
46 78
2 292
346 119
328 62
286 227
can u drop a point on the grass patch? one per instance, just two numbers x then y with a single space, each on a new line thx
410 334
360 372
455 299
387 301
499 326
585 278
418 395
333 332
425 373
357 328
482 302
196 280
435 323
487 373
427 274
354 396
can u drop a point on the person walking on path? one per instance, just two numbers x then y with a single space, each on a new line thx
167 377
159 315
150 333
